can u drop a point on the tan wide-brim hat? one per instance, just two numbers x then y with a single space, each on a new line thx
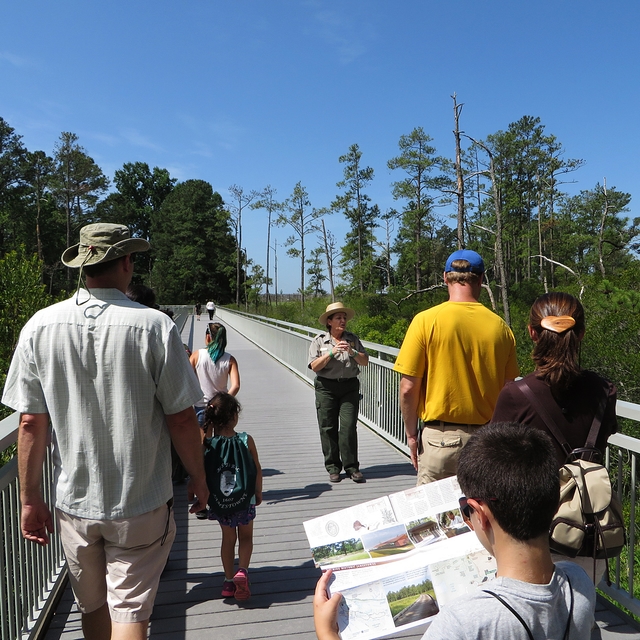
102 242
335 307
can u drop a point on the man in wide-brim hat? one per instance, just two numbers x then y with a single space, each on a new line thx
112 379
102 242
335 355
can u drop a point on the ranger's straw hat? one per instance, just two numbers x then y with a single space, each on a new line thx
335 307
102 242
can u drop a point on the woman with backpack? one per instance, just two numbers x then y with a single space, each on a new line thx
234 477
560 388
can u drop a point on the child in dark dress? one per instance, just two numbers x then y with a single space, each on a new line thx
221 418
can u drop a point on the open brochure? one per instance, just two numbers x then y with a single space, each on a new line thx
399 558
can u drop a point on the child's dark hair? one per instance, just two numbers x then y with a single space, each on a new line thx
220 411
513 469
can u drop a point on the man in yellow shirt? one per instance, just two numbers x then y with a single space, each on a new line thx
454 360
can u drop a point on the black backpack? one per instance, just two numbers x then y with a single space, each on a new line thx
231 473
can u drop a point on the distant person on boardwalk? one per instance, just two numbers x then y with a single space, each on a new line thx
509 476
221 418
334 355
454 360
197 310
111 378
211 309
571 395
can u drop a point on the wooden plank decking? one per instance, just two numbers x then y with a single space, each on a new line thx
279 412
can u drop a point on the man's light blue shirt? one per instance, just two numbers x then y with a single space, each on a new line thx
107 372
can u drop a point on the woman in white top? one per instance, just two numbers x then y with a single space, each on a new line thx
216 370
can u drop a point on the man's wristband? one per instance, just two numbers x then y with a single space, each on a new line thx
331 353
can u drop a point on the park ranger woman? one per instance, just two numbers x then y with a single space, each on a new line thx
335 355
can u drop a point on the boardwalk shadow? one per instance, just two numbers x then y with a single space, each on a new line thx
267 473
308 492
270 585
391 471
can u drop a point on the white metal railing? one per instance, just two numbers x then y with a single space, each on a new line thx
31 576
380 410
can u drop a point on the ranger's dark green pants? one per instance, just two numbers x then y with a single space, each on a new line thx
337 408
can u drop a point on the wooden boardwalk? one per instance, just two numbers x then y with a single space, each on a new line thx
279 412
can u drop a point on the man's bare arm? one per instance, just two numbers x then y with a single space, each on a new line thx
186 438
36 522
410 389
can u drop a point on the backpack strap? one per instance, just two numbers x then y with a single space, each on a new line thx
597 420
541 410
515 613
567 629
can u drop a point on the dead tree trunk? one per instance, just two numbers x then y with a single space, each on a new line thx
457 110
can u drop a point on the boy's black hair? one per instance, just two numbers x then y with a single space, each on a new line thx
512 468
142 294
221 410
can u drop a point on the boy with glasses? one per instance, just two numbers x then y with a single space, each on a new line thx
509 476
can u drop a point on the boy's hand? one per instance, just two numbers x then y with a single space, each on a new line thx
325 610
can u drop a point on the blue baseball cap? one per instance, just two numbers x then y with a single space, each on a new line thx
476 264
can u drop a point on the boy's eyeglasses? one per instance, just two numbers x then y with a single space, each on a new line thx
466 508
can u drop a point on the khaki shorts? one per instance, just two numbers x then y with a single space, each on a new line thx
440 449
117 561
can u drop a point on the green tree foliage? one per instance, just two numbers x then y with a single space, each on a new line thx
298 214
39 169
358 251
12 158
253 284
77 184
139 196
528 164
238 202
594 235
193 246
268 202
419 224
315 271
21 295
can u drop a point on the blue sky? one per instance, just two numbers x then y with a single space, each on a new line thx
273 92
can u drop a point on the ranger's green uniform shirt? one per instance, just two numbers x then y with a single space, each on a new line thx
341 365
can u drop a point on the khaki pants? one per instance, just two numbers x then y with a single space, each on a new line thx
440 449
117 561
